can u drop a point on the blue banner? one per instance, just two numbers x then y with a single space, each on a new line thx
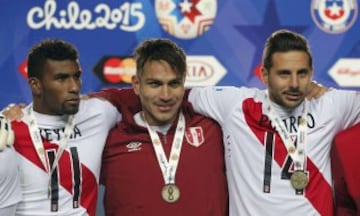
223 39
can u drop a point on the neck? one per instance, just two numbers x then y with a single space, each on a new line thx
157 123
37 107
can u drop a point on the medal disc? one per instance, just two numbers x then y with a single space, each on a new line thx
170 193
299 180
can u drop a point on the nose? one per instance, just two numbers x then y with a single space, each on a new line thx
294 81
74 85
165 93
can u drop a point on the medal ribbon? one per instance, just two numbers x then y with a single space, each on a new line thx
37 140
168 167
296 153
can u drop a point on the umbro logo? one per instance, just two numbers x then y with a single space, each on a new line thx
134 146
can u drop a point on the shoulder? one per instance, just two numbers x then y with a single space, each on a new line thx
223 95
351 134
119 97
346 144
340 94
195 119
99 104
223 89
97 108
337 102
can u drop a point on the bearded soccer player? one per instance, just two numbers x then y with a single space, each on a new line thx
60 138
277 142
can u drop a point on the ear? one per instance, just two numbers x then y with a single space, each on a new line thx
35 85
135 84
264 75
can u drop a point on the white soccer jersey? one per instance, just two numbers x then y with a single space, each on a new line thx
10 193
258 165
74 183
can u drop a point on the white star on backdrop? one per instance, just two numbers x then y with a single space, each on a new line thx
185 6
334 9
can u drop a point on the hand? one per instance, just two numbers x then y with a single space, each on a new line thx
316 90
6 134
86 96
13 112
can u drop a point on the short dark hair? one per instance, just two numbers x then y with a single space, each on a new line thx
284 41
53 49
160 49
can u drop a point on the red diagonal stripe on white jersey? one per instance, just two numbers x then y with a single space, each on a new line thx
317 184
89 186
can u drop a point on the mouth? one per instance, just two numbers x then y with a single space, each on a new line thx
293 96
165 107
74 101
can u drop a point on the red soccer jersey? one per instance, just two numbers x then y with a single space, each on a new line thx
345 167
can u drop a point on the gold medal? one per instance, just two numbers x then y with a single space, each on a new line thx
299 180
170 193
291 150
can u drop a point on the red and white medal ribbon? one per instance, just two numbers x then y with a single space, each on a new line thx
297 153
168 167
37 139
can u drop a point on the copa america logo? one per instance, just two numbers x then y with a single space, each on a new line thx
186 19
334 16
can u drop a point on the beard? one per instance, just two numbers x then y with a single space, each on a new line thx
70 110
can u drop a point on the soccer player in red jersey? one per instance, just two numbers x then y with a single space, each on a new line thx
163 158
346 175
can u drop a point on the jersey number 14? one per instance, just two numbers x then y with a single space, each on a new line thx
286 170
